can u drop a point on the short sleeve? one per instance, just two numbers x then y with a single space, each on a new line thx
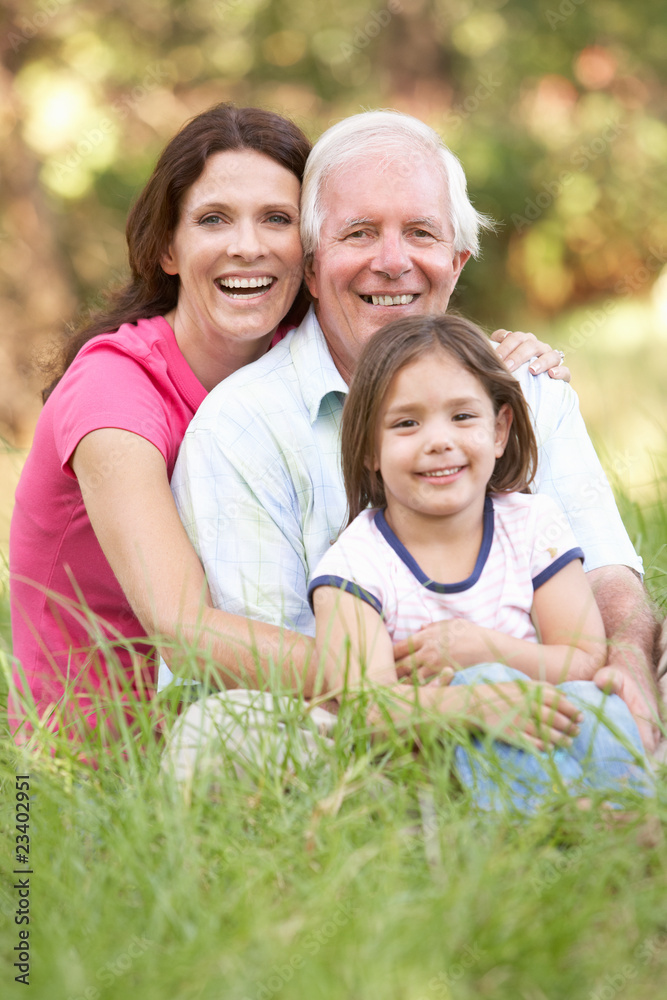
554 544
106 387
353 563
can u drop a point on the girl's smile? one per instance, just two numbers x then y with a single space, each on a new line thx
441 473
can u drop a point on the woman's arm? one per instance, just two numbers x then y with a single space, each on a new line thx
572 639
134 517
353 645
518 347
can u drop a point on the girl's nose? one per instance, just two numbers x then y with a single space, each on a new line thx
440 437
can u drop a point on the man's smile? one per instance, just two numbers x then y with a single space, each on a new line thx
389 300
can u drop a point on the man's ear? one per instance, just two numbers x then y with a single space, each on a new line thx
461 258
310 275
502 432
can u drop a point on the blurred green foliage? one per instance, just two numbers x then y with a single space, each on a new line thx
555 107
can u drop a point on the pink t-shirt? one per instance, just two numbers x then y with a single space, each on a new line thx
136 380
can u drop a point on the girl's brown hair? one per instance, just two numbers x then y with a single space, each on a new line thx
386 353
154 216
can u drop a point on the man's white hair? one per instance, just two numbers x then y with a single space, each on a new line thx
392 134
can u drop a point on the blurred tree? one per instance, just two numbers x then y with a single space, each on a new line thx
556 109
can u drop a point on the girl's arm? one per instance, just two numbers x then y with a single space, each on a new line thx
353 645
572 638
351 641
136 523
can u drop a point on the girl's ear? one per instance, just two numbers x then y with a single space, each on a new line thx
503 423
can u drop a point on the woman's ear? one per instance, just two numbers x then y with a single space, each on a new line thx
502 432
168 261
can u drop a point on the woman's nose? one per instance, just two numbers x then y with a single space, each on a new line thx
245 241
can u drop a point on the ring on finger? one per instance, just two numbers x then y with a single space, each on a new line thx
562 357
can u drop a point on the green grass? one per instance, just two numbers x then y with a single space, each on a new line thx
362 876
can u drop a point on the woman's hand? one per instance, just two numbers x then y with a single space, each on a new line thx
452 642
517 347
520 711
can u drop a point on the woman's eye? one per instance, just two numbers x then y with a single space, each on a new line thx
282 220
210 220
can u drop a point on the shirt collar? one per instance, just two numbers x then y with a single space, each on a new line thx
314 366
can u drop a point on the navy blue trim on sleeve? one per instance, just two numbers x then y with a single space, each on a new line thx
417 571
556 565
340 584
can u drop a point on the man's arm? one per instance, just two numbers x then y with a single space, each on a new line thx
632 631
570 471
241 511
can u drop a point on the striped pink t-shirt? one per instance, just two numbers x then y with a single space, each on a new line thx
526 540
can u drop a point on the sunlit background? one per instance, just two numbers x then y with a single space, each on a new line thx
555 107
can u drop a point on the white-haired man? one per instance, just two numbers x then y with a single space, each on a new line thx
387 227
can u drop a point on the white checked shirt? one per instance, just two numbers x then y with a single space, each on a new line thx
259 489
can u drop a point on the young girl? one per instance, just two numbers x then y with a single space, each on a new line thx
437 440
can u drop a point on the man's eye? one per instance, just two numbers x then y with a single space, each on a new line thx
357 234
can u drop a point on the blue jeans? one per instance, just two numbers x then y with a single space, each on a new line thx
607 755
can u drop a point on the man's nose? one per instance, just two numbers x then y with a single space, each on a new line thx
392 257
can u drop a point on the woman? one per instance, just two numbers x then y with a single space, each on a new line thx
99 560
215 261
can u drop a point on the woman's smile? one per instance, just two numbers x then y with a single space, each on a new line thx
245 287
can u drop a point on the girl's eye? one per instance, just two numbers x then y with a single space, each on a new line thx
463 416
406 423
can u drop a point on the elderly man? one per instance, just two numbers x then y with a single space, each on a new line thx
387 228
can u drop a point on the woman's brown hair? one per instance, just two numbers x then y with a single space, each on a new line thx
399 344
154 216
